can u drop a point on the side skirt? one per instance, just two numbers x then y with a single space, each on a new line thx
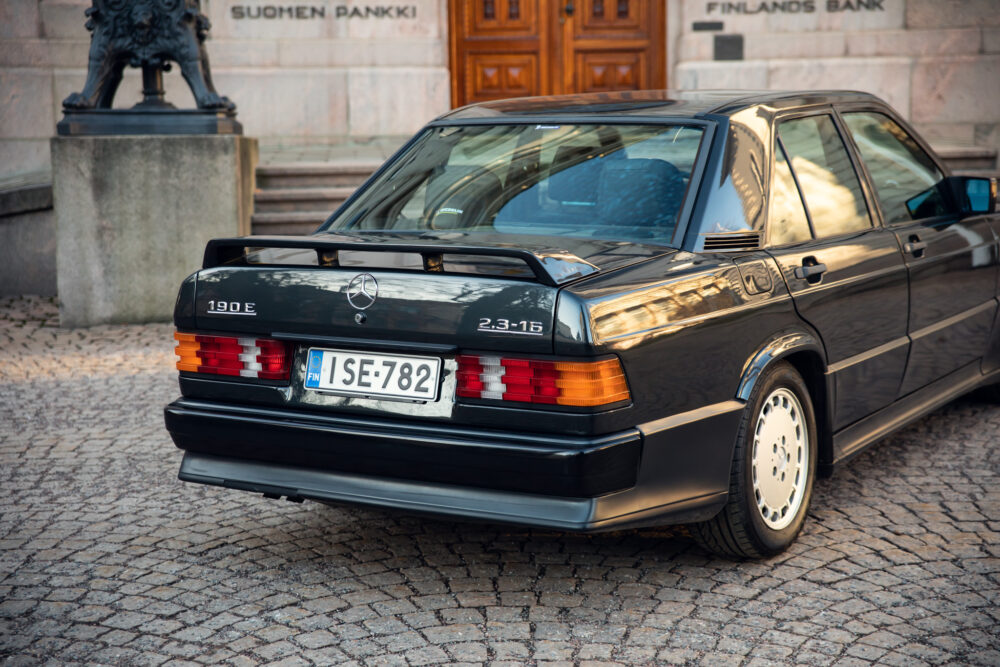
852 440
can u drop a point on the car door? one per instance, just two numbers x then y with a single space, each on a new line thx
951 258
847 276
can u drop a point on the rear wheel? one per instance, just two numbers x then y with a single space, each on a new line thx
774 465
990 392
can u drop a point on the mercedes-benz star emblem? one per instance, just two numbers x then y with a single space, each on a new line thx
362 290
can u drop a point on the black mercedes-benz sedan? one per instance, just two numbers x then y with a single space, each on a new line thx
599 311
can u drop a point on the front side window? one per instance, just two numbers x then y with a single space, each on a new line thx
824 171
619 182
908 183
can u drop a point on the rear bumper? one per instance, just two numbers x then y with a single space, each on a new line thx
675 470
544 464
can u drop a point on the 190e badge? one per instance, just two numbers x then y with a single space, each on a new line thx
232 308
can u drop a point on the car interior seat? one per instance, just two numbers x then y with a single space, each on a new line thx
644 193
461 196
575 176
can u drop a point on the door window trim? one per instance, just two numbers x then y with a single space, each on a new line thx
888 112
780 145
874 215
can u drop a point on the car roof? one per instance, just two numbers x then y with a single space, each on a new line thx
670 103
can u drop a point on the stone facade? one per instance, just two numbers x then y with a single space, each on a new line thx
936 61
301 72
336 72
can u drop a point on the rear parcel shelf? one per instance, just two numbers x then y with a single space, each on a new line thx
552 267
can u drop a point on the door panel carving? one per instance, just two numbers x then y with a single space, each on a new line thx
606 71
617 16
498 76
507 18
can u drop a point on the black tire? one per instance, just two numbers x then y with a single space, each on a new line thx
739 529
990 392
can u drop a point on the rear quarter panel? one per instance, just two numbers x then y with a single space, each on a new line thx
685 328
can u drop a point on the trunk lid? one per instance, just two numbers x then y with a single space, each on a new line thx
442 290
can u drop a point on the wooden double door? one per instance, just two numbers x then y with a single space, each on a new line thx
514 48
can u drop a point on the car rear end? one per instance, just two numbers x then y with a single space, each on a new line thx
420 352
442 380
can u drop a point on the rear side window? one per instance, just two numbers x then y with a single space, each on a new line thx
786 217
824 171
908 183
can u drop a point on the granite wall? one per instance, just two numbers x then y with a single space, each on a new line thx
936 61
336 71
301 72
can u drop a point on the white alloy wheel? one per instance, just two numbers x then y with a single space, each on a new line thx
780 459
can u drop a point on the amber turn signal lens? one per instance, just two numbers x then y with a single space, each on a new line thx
589 384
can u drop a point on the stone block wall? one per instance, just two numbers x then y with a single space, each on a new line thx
328 73
936 61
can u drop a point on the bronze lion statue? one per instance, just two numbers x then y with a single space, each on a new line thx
149 34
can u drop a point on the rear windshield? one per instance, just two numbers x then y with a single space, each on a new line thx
619 182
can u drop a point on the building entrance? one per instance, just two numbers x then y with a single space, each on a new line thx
513 48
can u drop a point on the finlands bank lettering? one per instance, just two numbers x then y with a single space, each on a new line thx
319 12
794 6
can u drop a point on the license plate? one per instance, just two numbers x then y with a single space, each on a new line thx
355 373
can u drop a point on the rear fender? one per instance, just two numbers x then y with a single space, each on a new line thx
775 349
805 351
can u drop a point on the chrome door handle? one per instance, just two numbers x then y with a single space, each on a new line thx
915 248
807 271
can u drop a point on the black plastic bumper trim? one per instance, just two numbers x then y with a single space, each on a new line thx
543 464
575 514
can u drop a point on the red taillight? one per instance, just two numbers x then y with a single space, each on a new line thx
261 358
580 383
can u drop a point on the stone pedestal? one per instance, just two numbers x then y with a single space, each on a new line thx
133 214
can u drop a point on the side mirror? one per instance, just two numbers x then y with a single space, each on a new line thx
980 194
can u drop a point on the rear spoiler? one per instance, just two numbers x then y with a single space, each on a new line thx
551 267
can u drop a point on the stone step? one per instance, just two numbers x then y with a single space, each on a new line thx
977 173
297 197
301 199
25 192
314 174
287 222
968 159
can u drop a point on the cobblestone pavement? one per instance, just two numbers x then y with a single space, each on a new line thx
106 558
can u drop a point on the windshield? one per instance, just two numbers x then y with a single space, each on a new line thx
618 182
